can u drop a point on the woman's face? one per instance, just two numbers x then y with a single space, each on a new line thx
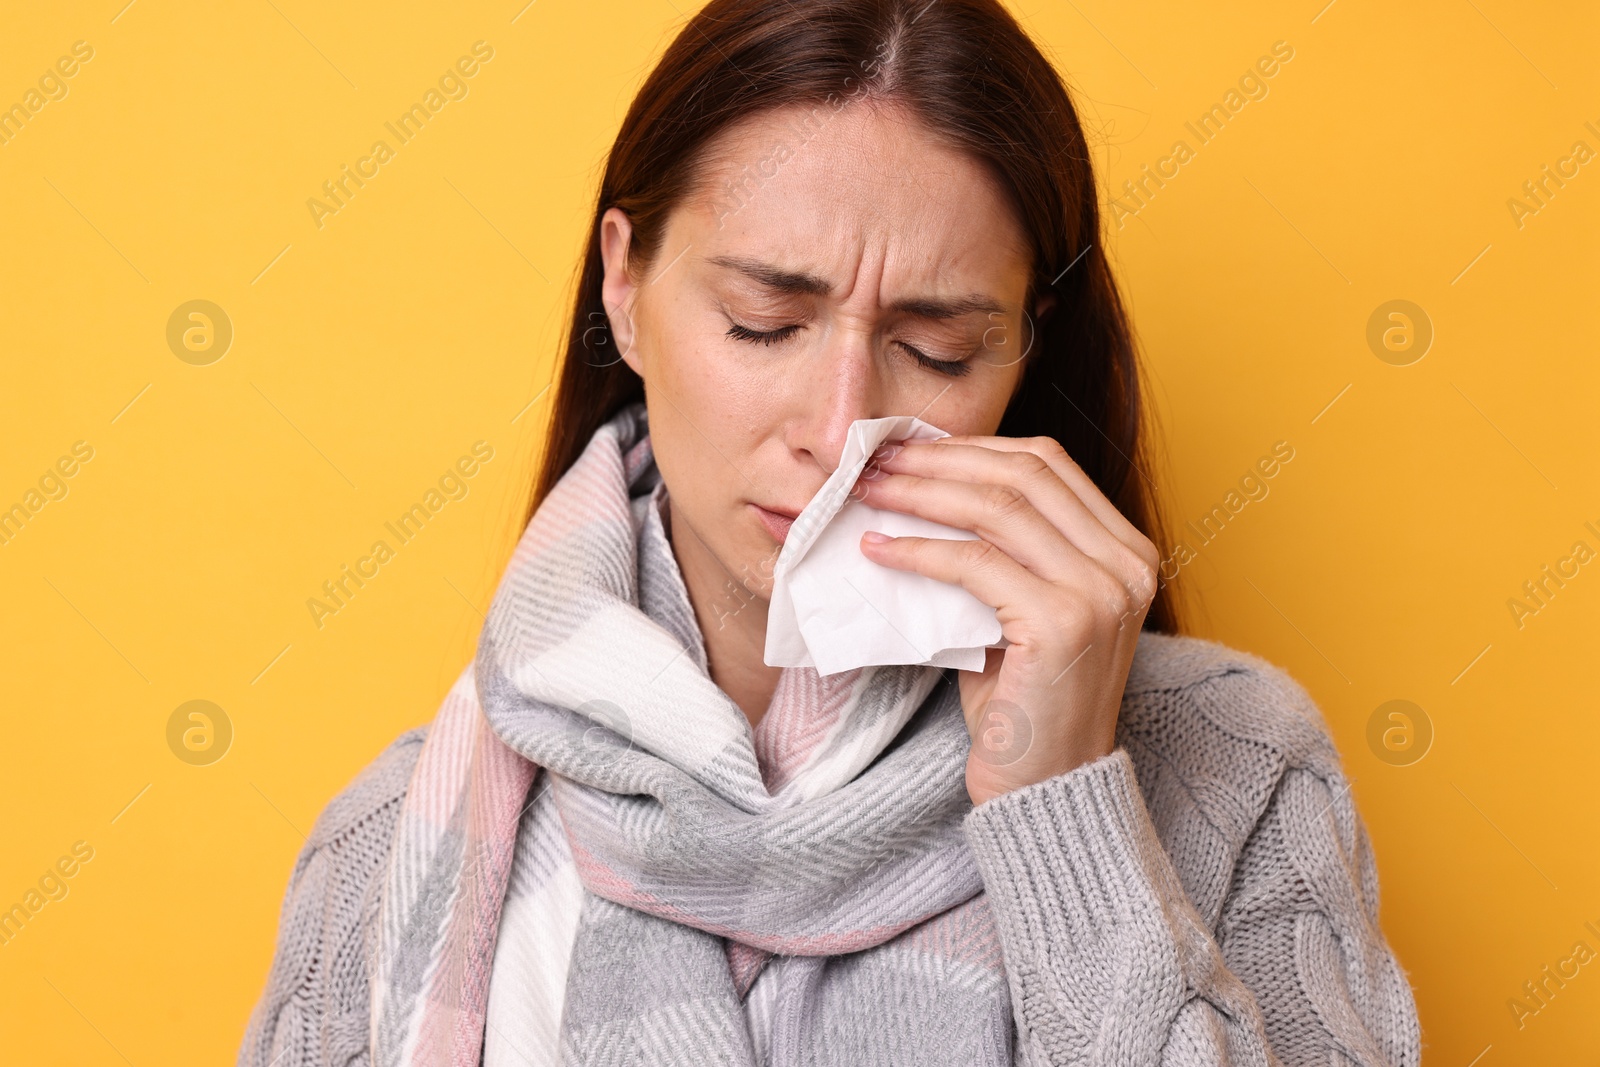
841 265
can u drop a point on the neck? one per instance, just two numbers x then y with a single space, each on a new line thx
732 618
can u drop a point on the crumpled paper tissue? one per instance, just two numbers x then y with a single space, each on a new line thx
834 609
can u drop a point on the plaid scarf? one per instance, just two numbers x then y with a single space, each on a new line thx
694 874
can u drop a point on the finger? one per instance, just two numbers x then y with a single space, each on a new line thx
1075 611
1051 451
1141 568
1005 519
1041 482
996 512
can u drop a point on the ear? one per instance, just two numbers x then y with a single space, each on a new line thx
1043 306
618 289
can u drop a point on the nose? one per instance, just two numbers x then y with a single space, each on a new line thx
844 386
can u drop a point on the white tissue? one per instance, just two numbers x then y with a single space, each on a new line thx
834 609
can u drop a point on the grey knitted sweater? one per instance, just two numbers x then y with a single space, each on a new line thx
1206 894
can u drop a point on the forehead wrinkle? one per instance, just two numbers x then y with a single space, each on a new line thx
804 283
948 308
774 277
907 243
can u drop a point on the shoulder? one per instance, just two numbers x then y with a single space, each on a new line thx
376 791
1191 699
340 861
1213 733
313 1007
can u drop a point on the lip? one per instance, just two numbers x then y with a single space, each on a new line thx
777 523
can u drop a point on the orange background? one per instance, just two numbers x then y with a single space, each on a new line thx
370 353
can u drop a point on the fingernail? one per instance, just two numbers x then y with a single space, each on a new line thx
886 452
876 538
872 473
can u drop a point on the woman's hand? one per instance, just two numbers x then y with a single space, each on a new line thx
1069 577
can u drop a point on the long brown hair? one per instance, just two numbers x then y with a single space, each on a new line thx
975 78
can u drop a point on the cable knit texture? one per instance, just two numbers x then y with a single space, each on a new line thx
1206 894
315 1009
584 859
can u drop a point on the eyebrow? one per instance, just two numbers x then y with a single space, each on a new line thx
801 283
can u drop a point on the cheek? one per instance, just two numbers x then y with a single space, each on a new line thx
694 448
962 417
972 408
712 379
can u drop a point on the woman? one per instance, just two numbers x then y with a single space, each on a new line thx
626 839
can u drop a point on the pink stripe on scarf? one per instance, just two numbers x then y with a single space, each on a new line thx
805 708
469 783
451 1028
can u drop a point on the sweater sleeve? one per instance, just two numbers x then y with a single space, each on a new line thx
314 1010
1110 963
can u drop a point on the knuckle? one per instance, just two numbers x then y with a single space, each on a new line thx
1046 446
977 553
1029 464
1144 593
1052 449
1147 551
1141 572
1003 501
1109 591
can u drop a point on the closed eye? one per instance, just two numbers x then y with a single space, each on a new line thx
768 337
951 367
955 368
